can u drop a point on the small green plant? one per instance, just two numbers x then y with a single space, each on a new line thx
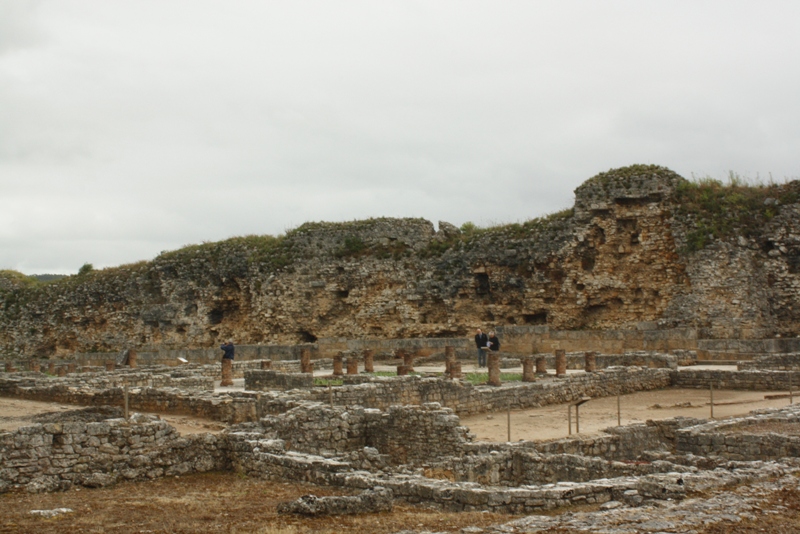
352 246
85 269
325 382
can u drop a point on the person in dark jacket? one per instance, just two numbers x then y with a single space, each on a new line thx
227 350
494 343
480 341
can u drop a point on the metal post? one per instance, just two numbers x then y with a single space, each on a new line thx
577 419
619 412
711 389
509 422
569 418
791 393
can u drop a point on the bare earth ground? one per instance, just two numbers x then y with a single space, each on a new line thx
212 502
551 422
15 413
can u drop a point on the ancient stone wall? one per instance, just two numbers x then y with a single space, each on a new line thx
758 380
618 261
716 438
57 456
266 380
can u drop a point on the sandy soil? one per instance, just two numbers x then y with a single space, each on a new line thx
15 413
551 422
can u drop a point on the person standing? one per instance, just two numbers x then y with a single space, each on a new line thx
481 340
227 350
494 343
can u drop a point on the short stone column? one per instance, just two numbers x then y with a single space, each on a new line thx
111 365
36 367
527 370
51 368
62 370
455 369
132 359
541 365
337 364
352 365
591 362
561 362
494 368
306 366
266 365
369 361
10 367
408 361
402 370
227 372
71 367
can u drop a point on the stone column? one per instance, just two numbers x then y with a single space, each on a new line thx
71 367
494 368
227 372
337 365
10 367
455 369
352 365
408 361
541 365
305 361
36 367
62 370
266 364
527 369
111 365
369 361
561 362
591 362
402 370
51 368
132 358
449 359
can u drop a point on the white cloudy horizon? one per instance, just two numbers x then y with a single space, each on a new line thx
132 127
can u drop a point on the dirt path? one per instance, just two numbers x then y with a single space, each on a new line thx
15 413
550 422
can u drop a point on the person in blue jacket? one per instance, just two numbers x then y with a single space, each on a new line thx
227 350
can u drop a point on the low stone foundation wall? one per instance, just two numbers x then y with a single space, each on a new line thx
56 456
773 362
467 399
259 380
743 380
716 438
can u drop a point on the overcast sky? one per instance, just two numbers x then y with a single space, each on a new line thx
132 127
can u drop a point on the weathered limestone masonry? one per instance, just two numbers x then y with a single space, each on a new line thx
619 261
774 362
744 380
467 399
56 456
716 438
268 380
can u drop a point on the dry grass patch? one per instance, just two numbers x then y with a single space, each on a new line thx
212 502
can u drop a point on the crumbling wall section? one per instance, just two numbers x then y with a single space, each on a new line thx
57 456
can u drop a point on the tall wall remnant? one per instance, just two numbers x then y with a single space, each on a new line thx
630 254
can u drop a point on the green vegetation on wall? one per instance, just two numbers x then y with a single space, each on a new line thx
720 210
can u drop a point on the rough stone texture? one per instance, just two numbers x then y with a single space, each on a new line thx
267 380
617 261
374 500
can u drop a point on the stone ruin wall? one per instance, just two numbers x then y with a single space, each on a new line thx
617 263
